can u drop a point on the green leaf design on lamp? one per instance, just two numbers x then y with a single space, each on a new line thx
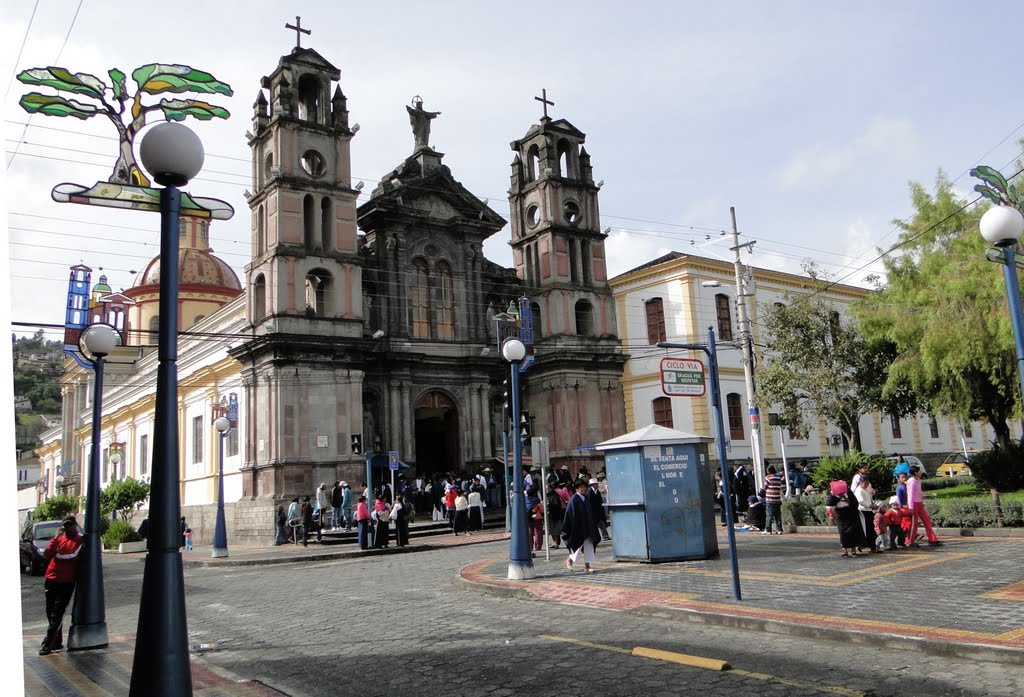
52 105
118 80
62 79
178 109
155 78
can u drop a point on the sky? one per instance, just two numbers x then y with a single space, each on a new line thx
810 118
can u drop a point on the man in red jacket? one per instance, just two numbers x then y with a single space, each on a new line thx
60 581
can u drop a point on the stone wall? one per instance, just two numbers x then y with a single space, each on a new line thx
248 522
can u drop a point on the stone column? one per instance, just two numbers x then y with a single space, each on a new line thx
408 424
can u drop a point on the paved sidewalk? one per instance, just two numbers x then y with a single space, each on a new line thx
963 598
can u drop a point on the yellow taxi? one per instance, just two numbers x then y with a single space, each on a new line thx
956 465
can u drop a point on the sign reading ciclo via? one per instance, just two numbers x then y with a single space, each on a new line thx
682 377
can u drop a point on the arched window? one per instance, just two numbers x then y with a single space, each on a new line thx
446 302
565 160
528 266
655 310
724 315
538 329
318 287
584 318
326 238
308 222
735 412
261 231
309 98
259 298
154 329
662 407
420 297
532 163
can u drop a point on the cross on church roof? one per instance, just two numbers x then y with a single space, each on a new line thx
299 31
545 101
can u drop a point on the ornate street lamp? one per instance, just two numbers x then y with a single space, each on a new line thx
173 155
520 563
220 533
1002 226
89 614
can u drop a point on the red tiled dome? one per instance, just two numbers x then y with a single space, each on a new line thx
195 266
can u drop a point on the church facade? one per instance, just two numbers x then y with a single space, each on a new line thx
371 328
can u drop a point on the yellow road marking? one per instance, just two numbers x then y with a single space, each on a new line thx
706 663
79 681
684 658
1014 591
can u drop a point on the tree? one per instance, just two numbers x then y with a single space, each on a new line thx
819 365
126 111
944 308
55 508
123 496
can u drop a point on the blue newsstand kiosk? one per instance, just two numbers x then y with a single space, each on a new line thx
660 495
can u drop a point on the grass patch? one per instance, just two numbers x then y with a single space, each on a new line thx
956 492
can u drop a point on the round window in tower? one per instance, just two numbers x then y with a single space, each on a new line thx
313 163
533 215
571 211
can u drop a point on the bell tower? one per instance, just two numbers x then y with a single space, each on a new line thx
572 388
302 368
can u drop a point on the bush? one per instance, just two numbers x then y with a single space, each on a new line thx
805 510
880 470
56 508
123 496
119 531
975 512
945 482
1001 469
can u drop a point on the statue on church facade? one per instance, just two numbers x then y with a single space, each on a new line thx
420 120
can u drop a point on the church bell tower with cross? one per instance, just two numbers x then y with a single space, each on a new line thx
305 281
573 389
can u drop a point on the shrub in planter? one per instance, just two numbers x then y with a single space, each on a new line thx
944 482
118 532
880 470
804 510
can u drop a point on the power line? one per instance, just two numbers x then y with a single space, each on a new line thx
17 61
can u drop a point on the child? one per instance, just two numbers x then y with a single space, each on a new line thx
188 539
881 527
894 517
755 515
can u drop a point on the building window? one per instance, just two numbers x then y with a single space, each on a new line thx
308 222
538 330
446 302
261 231
968 433
326 216
309 98
259 298
420 300
318 286
197 439
528 271
724 315
897 427
735 411
231 444
105 475
655 309
532 164
565 160
584 318
143 456
587 261
663 412
154 329
933 426
574 261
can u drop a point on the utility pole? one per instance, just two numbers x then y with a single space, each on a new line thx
747 339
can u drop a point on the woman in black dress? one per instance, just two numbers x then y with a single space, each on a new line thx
848 518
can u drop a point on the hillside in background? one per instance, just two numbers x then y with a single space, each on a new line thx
37 369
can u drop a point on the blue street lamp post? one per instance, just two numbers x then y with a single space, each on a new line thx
520 563
88 614
220 532
161 667
1002 226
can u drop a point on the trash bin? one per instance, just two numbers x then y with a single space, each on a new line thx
660 495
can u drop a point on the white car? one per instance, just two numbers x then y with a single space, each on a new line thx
912 461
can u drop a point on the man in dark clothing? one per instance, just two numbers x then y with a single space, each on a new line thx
307 520
596 502
61 573
579 529
337 493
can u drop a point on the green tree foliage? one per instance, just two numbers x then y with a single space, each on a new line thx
119 531
123 496
122 108
56 508
1001 468
944 307
842 468
819 365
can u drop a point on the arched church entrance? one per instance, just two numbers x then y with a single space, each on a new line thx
437 434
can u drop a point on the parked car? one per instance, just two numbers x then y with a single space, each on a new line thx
956 464
34 539
912 461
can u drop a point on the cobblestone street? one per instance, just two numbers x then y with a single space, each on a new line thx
407 624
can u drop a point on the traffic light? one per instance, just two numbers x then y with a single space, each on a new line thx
507 404
525 427
357 443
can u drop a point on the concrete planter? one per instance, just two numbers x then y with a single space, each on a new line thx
129 547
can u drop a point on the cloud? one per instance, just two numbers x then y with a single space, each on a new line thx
817 166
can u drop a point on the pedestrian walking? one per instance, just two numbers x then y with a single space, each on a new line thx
294 521
579 530
894 519
461 512
866 507
476 510
449 506
400 519
183 526
323 500
535 518
555 511
188 539
596 501
382 528
915 500
363 523
848 518
306 513
59 585
281 522
346 505
772 502
336 496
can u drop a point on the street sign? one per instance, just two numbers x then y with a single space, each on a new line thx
393 460
682 377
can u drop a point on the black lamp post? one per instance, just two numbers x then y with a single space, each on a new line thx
520 562
220 532
89 614
173 155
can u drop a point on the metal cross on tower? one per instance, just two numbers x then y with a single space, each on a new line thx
545 101
299 31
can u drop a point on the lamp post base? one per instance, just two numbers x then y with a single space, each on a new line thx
219 552
87 636
520 570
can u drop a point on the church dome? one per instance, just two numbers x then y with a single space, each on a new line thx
196 267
